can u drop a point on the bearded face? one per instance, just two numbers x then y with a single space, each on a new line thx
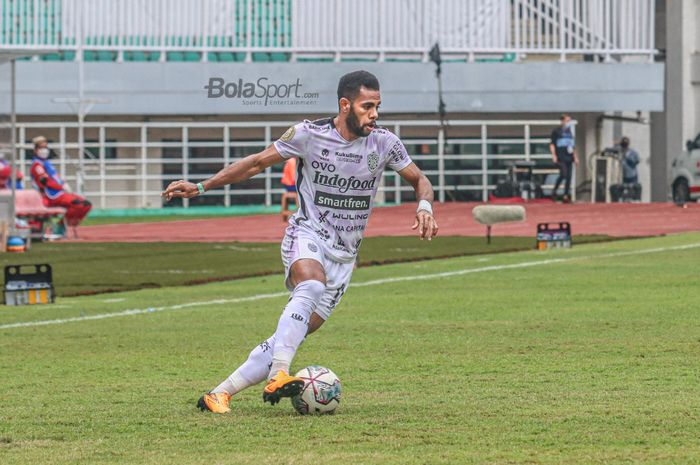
363 113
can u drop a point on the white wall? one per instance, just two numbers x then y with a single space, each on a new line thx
179 88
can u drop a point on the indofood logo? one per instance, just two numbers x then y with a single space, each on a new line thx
261 92
342 183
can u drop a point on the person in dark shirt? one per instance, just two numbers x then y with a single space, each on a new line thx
563 150
630 160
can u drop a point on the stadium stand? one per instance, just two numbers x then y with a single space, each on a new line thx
146 137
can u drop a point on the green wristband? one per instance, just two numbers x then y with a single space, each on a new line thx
200 188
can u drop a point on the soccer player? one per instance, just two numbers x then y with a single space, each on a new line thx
341 161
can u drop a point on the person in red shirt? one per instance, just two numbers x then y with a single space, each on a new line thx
55 191
6 174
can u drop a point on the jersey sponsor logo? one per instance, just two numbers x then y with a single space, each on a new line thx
372 161
342 202
318 125
322 217
348 157
288 135
324 153
323 165
296 316
350 216
340 245
312 247
348 228
323 234
342 183
396 153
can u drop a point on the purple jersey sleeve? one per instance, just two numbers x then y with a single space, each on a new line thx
293 142
397 156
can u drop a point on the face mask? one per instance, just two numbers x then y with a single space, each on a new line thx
43 153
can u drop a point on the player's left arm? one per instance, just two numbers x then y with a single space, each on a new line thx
425 221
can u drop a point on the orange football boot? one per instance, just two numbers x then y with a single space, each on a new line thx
214 402
282 385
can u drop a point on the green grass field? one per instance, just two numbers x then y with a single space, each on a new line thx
580 356
84 268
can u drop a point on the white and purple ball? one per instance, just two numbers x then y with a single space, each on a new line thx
321 393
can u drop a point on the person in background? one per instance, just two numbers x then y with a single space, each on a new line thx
563 150
289 178
6 174
55 191
630 160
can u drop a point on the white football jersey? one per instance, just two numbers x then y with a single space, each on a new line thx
337 180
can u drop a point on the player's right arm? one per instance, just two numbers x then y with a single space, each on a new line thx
236 172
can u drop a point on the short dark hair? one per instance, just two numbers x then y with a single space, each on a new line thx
349 85
564 115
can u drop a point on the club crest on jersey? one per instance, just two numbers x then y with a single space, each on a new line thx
288 134
372 161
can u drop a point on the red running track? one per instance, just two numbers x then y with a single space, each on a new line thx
620 219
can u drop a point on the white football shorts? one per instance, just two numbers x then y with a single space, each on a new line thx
300 244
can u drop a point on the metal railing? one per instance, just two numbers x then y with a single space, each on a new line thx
294 29
128 163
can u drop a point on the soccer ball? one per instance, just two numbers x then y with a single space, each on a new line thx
321 393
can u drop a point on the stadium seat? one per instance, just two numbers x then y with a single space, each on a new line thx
106 55
261 57
29 205
137 55
175 56
227 57
314 59
89 55
192 56
505 58
357 59
402 60
279 56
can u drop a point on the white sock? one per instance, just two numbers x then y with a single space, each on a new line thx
253 370
294 323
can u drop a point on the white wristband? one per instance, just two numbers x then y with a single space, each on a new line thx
425 205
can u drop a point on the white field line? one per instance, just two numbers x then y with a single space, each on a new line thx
375 282
521 265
